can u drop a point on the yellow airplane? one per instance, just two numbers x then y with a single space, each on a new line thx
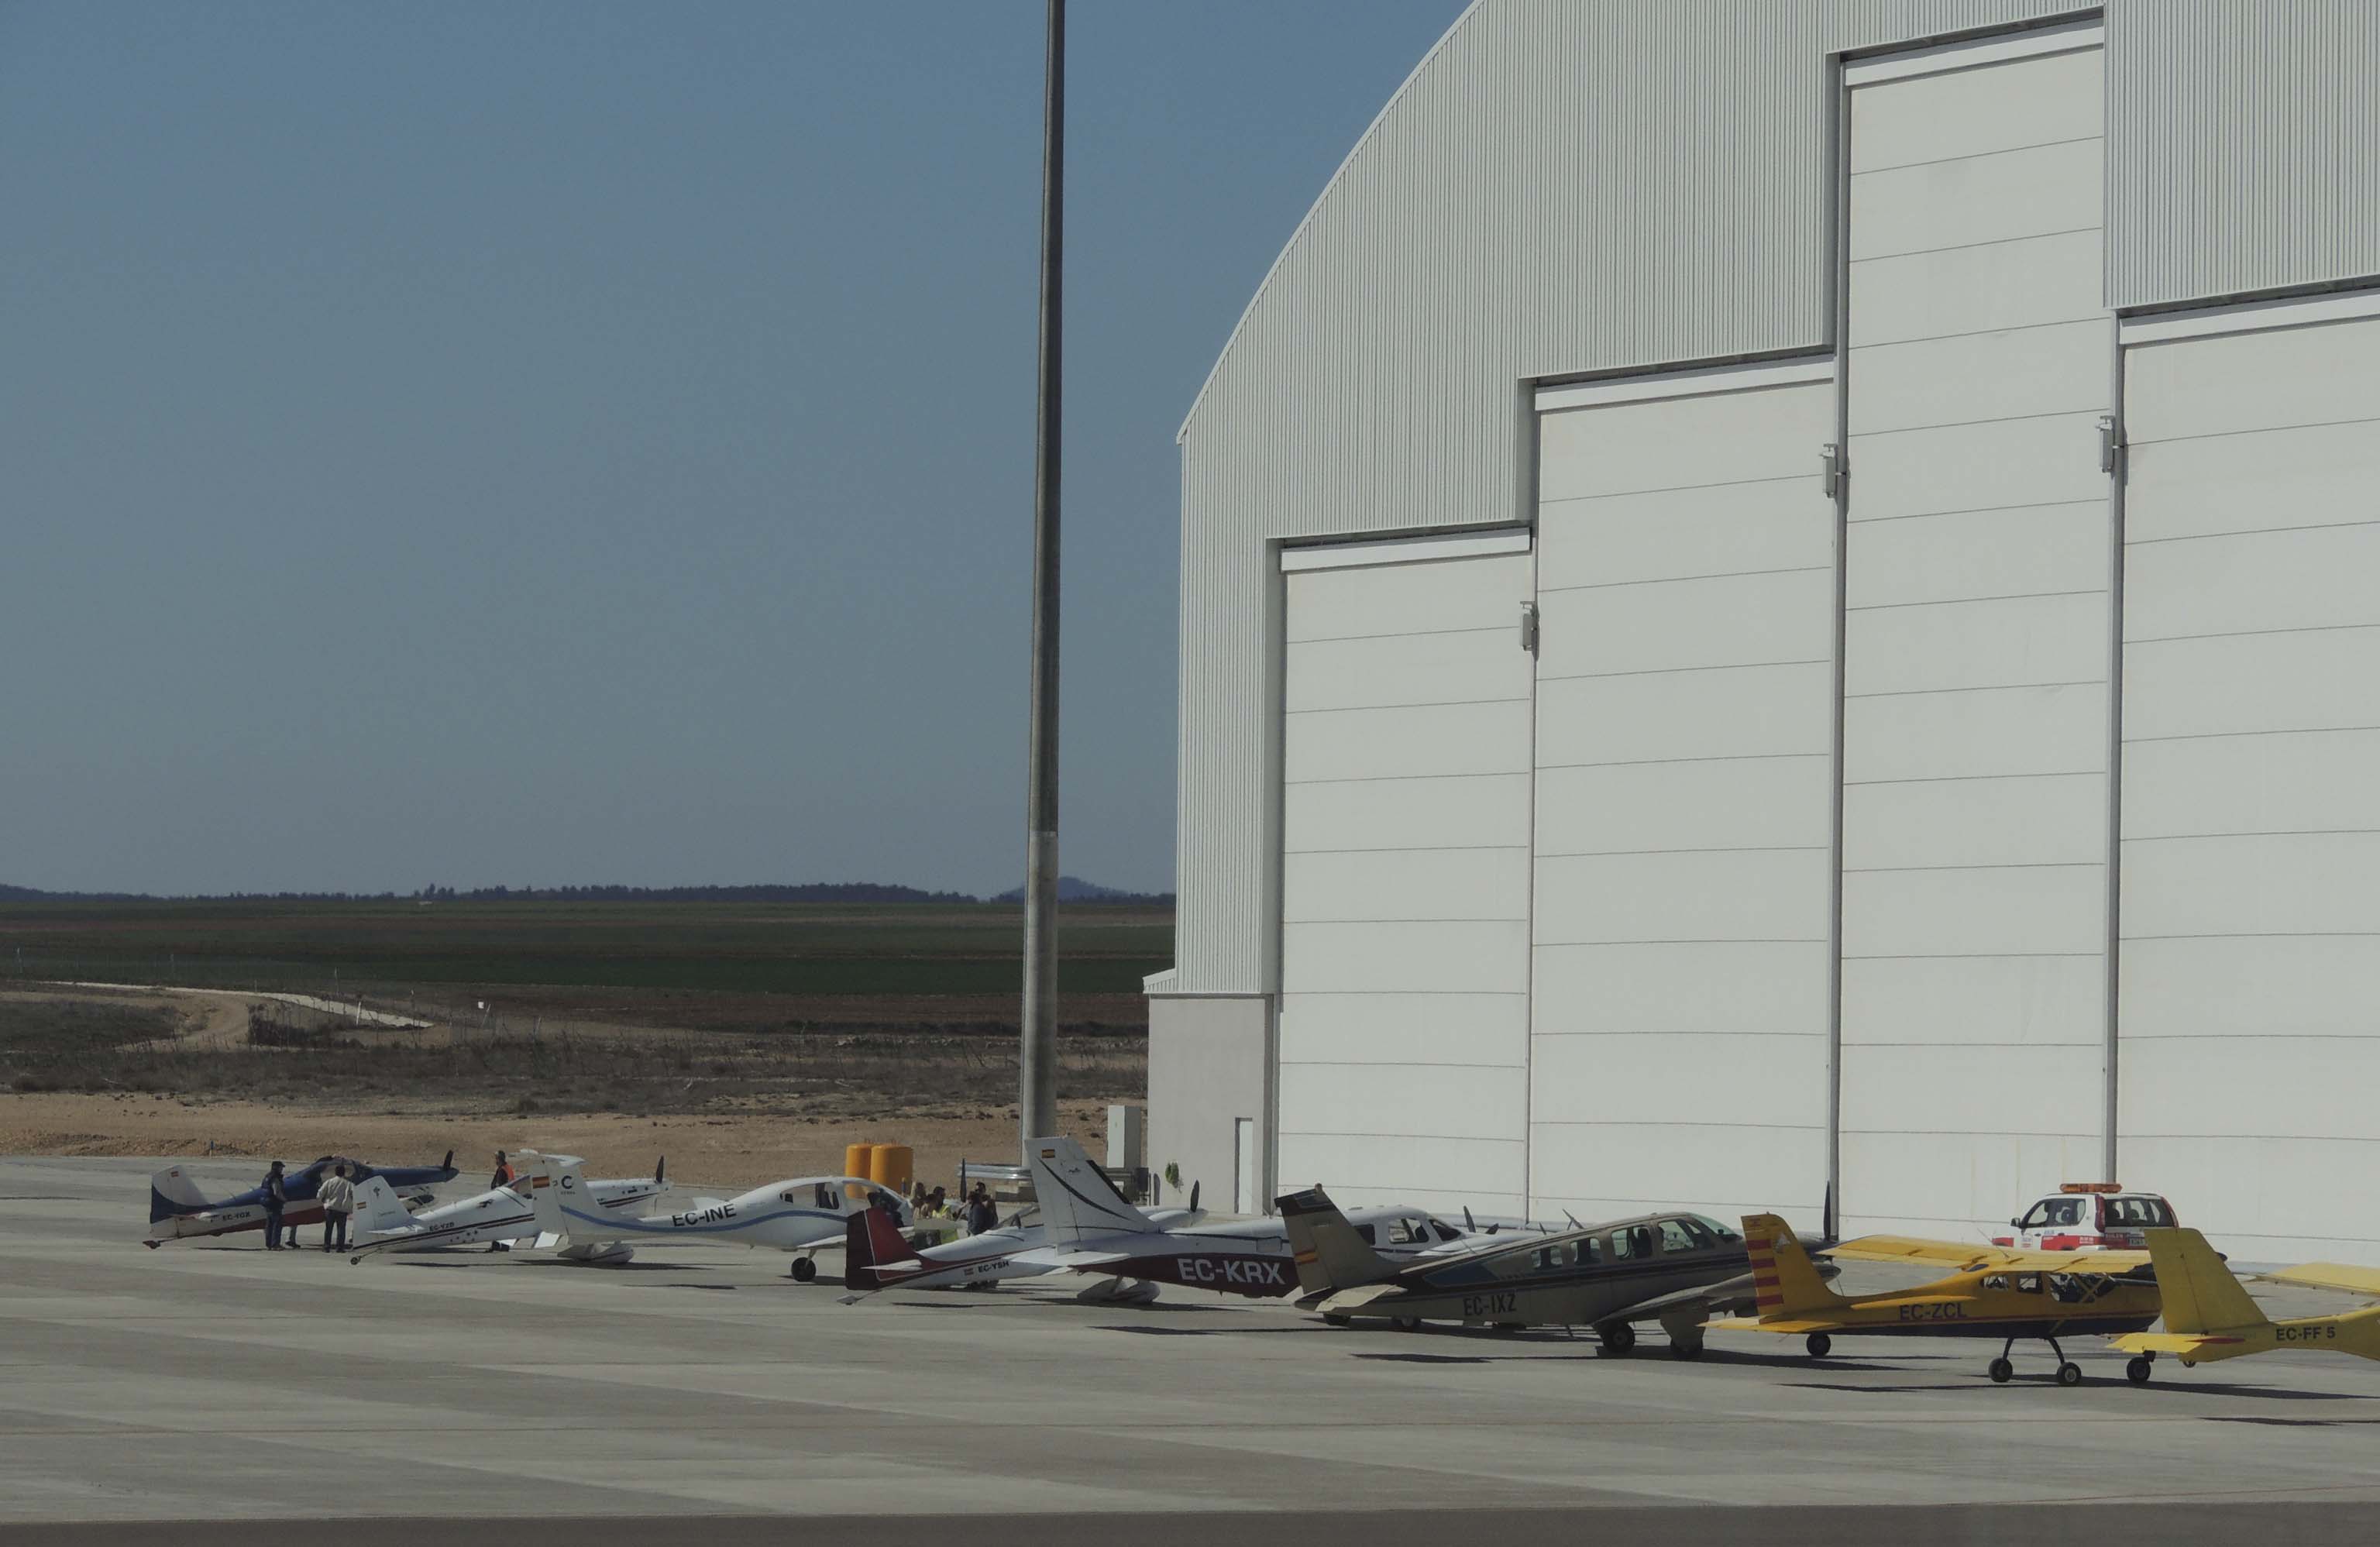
2209 1316
1995 1292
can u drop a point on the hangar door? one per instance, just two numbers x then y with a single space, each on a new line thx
1404 1035
2250 954
1978 633
1683 906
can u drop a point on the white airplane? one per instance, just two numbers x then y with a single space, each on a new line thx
799 1216
1091 1227
876 1257
502 1214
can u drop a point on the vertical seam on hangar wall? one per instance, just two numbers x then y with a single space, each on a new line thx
2118 472
1839 100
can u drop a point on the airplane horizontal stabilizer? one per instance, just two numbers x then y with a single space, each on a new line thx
1344 1300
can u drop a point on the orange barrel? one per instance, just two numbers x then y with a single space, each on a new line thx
893 1165
859 1160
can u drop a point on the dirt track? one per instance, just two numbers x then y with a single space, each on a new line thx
727 1151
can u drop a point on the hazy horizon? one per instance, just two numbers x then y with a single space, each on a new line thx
589 444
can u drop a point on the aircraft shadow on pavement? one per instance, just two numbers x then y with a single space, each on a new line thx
1194 1332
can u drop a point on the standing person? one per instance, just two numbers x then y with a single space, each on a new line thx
503 1178
338 1196
982 1214
277 1198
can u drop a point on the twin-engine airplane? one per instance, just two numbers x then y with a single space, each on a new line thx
1090 1227
801 1215
2209 1316
1677 1269
502 1214
1996 1292
178 1211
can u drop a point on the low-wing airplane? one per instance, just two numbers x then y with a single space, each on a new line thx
1677 1269
178 1211
502 1214
800 1214
1995 1292
2209 1316
1091 1227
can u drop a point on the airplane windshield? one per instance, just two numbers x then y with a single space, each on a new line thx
1719 1232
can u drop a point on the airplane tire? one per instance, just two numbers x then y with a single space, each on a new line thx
2189 1364
1618 1337
2070 1374
1333 1318
1682 1349
1819 1344
804 1269
2137 1372
1406 1323
1999 1371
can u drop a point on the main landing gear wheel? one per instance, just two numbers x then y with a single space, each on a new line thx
1686 1349
804 1269
2137 1372
1819 1344
1999 1370
2070 1374
1333 1318
1617 1336
1406 1323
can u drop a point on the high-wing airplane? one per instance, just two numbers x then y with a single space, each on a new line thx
1995 1292
501 1213
2209 1316
1676 1269
178 1211
1090 1227
801 1216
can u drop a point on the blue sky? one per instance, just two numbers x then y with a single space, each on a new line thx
544 443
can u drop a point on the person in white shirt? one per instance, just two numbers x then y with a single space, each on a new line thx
337 1196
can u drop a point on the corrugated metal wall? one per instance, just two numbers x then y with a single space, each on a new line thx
1575 185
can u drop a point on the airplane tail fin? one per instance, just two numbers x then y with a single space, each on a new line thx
874 1255
1784 1280
2199 1291
552 1182
378 1208
1076 1196
172 1193
1329 1253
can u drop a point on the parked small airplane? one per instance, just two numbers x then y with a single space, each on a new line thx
2209 1316
503 1214
178 1211
1996 1292
1677 1269
1091 1227
799 1216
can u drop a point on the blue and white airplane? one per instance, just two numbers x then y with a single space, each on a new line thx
799 1216
178 1211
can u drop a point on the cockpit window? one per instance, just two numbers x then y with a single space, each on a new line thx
1444 1231
1633 1243
825 1198
1718 1232
1548 1259
1407 1232
1676 1237
1590 1250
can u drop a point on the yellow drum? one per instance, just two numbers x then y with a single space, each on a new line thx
892 1165
859 1160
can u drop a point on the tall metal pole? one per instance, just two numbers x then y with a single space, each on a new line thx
1036 1054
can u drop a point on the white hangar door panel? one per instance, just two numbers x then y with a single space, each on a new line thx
1680 999
2250 1016
1404 870
1978 633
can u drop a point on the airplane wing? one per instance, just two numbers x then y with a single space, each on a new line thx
1966 1256
2343 1276
1754 1324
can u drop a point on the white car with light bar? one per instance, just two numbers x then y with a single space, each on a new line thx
2089 1216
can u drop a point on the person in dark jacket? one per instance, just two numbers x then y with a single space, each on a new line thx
982 1213
277 1198
503 1177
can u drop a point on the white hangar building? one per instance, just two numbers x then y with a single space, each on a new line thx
1780 599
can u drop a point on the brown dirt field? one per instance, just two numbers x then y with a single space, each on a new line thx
728 1152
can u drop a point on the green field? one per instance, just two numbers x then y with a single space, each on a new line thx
902 964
